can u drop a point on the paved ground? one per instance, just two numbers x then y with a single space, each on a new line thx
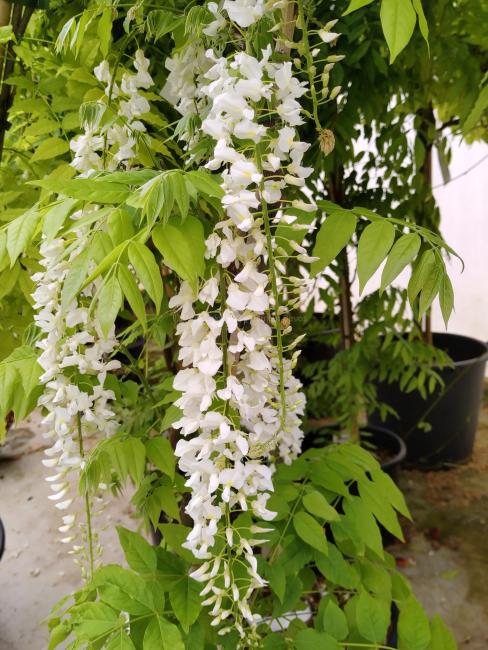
446 555
35 571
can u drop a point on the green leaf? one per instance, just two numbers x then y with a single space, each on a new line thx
389 489
126 591
205 183
160 23
104 31
477 111
20 232
147 271
155 198
183 248
403 252
58 634
422 270
336 569
312 640
160 453
424 27
334 621
162 635
75 278
446 297
109 304
360 518
277 580
354 5
56 216
377 502
121 641
175 535
6 33
372 618
308 529
138 552
93 620
374 245
334 235
133 295
50 148
431 287
186 601
441 635
413 627
89 190
180 193
318 505
398 20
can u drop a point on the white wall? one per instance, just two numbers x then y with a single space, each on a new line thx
464 210
464 224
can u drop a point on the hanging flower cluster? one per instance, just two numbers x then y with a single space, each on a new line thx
73 343
240 403
122 135
72 346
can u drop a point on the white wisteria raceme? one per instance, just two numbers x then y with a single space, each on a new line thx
72 345
121 136
241 406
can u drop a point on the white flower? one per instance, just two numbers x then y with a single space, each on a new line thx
248 130
244 12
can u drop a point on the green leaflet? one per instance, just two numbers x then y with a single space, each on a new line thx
160 453
374 245
372 617
91 191
441 636
132 294
162 635
183 248
147 270
186 601
413 627
20 232
308 529
354 5
318 505
402 253
313 640
139 554
446 297
50 148
398 20
334 235
334 621
109 304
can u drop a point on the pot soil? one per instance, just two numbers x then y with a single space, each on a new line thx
451 412
389 449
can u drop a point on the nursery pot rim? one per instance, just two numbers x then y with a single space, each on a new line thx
402 447
482 357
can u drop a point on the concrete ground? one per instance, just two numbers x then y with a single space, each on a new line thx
446 554
36 571
445 557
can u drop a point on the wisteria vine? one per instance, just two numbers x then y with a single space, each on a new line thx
241 405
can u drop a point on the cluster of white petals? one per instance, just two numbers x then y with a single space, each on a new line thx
241 405
72 345
121 137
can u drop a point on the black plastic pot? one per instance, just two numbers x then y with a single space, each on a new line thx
375 438
2 539
452 411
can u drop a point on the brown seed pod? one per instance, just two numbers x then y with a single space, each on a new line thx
326 141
